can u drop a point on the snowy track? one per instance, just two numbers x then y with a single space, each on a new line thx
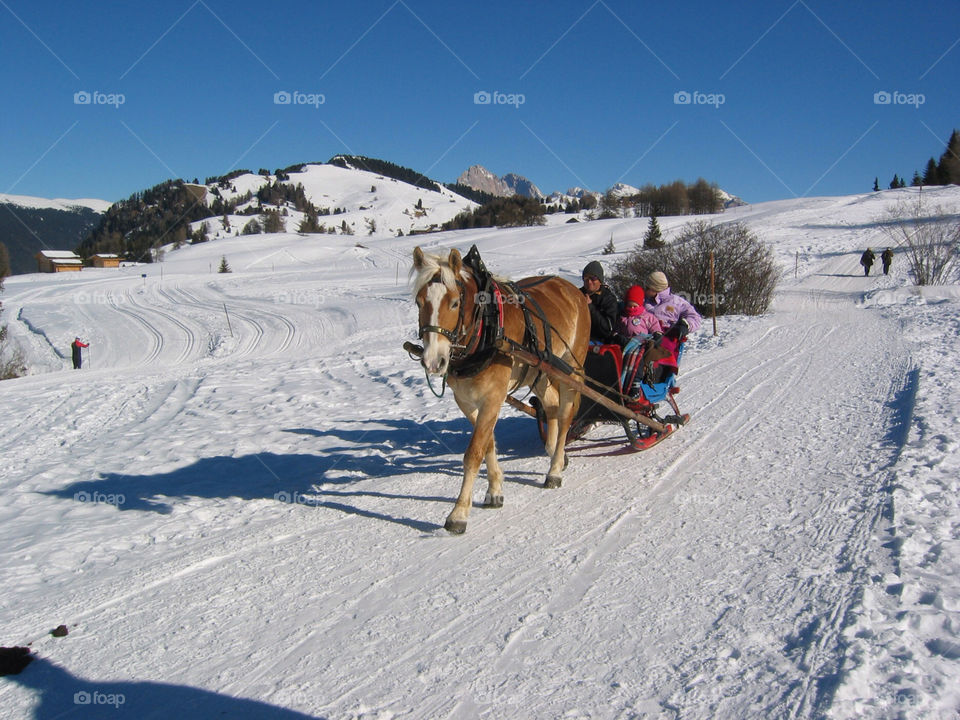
253 524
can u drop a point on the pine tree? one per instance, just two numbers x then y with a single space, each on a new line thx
654 238
200 234
310 222
949 166
272 222
931 175
917 180
224 266
895 183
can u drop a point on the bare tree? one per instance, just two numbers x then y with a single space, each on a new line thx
928 239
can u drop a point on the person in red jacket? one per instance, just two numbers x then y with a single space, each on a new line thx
76 346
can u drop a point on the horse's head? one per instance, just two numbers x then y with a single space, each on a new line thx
442 299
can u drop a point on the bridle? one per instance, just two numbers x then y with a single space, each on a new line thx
460 333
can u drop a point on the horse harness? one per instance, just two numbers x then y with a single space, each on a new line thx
475 345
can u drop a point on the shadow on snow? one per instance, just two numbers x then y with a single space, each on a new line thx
60 694
351 451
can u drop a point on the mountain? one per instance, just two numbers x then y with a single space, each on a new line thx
624 190
519 185
479 178
31 224
729 200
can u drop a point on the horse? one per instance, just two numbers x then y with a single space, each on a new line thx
468 321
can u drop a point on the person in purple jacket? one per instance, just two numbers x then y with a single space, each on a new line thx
676 315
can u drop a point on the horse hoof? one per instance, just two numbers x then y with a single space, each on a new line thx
493 501
457 527
552 482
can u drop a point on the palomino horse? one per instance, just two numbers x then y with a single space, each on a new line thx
462 316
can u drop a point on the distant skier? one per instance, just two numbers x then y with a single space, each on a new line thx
887 258
76 346
867 261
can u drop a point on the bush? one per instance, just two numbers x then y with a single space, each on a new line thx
930 240
744 268
252 228
12 362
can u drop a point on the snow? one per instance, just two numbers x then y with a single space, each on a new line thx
236 507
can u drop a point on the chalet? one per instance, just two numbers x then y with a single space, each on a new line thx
53 261
105 261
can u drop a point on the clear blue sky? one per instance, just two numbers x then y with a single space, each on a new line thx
781 92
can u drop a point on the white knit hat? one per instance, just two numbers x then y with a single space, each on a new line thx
657 282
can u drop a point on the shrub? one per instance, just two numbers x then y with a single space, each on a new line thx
930 240
744 268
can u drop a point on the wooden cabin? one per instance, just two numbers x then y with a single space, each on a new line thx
54 261
105 261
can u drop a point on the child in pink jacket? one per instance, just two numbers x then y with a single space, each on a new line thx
636 320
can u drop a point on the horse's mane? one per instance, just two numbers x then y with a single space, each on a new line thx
432 264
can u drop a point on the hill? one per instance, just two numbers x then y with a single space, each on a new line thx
339 197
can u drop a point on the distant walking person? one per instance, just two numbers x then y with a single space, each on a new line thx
76 346
867 261
887 258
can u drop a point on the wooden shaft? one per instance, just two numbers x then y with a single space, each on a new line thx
565 378
560 376
521 406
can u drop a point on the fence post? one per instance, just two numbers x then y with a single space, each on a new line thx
713 295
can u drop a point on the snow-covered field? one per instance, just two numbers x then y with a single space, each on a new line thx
236 507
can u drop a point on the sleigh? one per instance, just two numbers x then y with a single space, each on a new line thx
630 394
639 386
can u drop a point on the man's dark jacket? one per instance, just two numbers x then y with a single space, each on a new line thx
604 310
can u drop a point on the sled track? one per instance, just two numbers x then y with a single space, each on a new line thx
190 341
156 336
249 314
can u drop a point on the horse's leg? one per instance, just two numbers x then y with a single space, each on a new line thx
563 411
494 496
550 402
484 419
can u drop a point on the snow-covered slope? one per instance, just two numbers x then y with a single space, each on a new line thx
236 507
371 204
56 204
